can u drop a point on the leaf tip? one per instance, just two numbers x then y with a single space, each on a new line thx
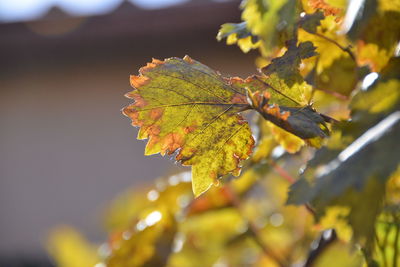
199 189
188 59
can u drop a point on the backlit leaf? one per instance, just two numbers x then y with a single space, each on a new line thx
343 67
343 254
148 243
376 31
184 107
383 95
288 141
329 7
238 33
69 248
272 21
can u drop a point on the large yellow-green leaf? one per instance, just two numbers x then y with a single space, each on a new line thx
184 107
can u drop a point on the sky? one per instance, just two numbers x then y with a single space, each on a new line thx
23 10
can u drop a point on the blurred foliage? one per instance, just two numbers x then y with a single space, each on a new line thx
340 57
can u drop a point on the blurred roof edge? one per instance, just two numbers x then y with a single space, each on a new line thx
57 12
125 19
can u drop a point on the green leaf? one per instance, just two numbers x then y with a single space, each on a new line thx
184 107
355 178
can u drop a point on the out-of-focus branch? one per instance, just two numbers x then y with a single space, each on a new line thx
253 229
284 174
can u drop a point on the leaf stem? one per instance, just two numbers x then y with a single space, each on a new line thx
345 49
282 172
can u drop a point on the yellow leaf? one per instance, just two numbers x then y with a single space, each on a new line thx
148 243
69 248
335 218
271 21
327 50
238 33
339 254
372 55
288 141
382 97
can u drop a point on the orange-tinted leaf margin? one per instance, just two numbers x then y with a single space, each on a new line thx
173 141
260 99
327 8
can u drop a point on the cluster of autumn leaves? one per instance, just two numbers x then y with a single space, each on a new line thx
324 127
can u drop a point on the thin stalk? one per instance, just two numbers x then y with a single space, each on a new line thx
335 94
382 245
396 243
345 49
284 174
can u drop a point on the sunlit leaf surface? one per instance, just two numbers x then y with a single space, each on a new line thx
184 107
